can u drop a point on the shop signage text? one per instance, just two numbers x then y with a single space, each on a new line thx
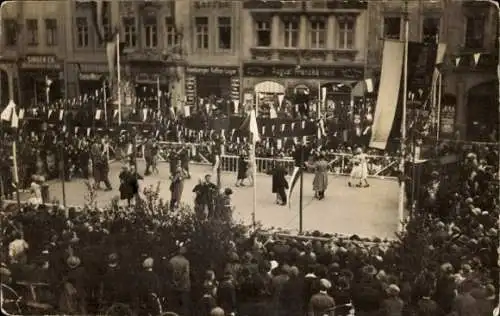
212 4
221 71
149 78
90 76
40 61
263 4
291 71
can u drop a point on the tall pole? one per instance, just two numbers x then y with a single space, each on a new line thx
105 101
301 190
401 204
119 77
254 172
16 174
158 92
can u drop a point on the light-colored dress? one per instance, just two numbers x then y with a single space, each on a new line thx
320 182
363 166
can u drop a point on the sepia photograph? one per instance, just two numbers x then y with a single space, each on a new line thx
250 157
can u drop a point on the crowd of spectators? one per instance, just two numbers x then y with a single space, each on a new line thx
444 263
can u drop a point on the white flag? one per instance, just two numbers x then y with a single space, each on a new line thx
7 112
15 120
476 58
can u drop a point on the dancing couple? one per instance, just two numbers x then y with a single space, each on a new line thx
359 170
245 170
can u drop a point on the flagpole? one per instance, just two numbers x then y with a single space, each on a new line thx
119 89
254 173
438 99
105 101
158 92
301 189
401 197
16 174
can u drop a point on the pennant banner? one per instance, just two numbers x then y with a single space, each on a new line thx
293 181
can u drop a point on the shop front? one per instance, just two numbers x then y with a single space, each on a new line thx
41 79
290 87
211 82
151 81
91 77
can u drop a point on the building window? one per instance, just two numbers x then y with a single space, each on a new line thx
10 31
225 32
430 29
106 30
346 33
171 35
32 32
201 25
263 33
82 32
291 33
130 32
317 34
51 32
150 33
392 28
474 32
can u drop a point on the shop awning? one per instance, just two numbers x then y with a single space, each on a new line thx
269 87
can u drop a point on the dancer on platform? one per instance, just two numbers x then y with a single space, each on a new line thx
320 182
359 170
177 186
242 170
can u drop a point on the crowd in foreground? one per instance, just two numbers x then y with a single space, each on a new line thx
149 258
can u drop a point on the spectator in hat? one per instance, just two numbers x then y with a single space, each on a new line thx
73 299
292 294
180 282
392 305
148 288
226 293
112 286
321 303
486 300
208 301
18 249
464 304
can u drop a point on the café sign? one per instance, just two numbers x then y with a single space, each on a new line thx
291 71
40 62
209 70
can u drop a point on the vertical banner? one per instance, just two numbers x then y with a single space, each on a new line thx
421 65
390 81
190 91
235 88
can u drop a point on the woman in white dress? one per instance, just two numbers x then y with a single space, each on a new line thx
359 170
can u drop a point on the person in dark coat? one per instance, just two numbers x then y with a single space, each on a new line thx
242 170
148 155
280 184
226 293
184 158
148 287
129 183
393 305
113 288
292 294
321 303
173 159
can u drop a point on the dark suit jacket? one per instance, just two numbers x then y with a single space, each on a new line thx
279 180
319 304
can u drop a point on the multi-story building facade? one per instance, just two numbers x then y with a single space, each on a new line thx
470 30
298 47
32 50
236 48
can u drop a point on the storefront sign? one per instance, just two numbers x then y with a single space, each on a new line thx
217 71
263 4
291 71
336 4
149 78
90 76
447 124
40 62
212 4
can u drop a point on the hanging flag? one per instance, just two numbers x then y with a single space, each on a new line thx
390 81
236 106
14 123
293 181
7 112
476 58
281 97
250 126
457 61
369 85
21 114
